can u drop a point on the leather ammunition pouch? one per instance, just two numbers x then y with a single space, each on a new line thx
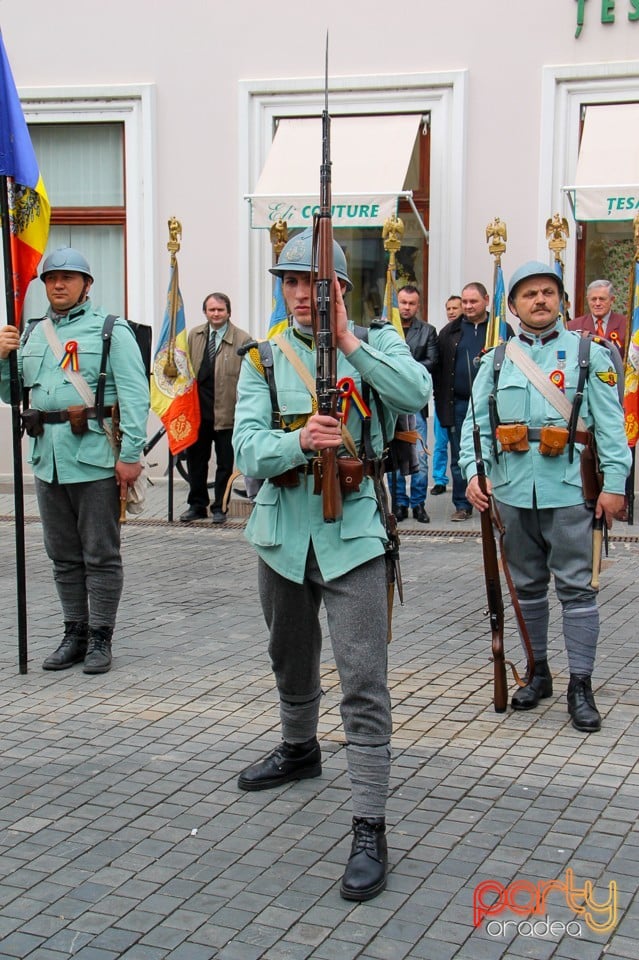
552 441
32 423
513 437
351 472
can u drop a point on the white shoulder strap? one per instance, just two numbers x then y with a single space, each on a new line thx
538 378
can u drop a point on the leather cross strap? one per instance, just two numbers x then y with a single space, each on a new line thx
546 387
309 382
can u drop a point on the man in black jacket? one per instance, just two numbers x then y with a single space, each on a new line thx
422 342
460 342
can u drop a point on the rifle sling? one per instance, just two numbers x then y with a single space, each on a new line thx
309 382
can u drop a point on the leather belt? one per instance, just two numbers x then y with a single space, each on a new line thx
581 436
63 416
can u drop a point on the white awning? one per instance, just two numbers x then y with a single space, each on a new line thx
607 179
370 158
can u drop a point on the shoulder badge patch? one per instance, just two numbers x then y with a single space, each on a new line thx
608 376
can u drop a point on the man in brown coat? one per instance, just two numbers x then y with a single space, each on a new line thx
213 350
602 320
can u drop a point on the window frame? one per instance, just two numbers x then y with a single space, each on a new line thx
133 105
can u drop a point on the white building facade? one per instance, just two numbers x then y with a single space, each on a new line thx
141 111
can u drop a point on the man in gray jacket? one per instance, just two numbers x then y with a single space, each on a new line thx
213 351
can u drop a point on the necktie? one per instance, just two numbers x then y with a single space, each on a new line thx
212 348
600 328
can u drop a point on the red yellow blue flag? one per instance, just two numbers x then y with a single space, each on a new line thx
631 385
29 209
174 396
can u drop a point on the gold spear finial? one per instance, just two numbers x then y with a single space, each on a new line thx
279 236
557 232
496 236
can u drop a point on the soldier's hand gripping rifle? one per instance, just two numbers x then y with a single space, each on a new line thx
324 322
491 519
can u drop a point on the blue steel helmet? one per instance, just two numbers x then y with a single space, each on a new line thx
66 258
533 268
296 257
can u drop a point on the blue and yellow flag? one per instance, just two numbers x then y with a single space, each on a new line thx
497 331
631 385
174 395
29 209
279 314
390 310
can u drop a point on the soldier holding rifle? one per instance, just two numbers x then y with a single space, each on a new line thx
538 436
303 559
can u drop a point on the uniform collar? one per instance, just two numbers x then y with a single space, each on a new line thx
532 338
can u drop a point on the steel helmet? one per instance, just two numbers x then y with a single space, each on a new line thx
66 258
296 257
533 268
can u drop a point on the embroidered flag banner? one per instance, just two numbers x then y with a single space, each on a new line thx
174 395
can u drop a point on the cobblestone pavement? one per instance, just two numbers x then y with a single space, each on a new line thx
123 834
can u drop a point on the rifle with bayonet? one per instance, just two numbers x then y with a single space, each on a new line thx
324 322
491 521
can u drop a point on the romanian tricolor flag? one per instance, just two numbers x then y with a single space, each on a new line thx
174 395
279 315
390 311
497 331
29 209
631 386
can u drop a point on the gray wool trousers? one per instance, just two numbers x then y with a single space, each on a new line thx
81 530
357 617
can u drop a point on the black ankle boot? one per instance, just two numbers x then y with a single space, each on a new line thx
72 649
98 658
537 689
289 761
365 874
581 705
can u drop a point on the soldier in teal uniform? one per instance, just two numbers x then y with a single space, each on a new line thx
304 560
540 496
80 475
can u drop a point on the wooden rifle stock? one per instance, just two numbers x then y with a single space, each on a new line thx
324 324
493 584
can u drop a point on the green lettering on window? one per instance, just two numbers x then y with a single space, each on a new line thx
581 9
634 13
607 11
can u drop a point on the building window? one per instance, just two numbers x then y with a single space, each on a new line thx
82 165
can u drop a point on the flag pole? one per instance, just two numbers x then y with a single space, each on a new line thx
170 369
557 233
16 432
392 232
496 236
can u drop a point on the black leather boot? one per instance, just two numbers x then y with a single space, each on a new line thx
581 705
365 874
72 649
289 761
98 658
538 689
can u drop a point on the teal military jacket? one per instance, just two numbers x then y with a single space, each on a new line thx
284 522
59 454
528 478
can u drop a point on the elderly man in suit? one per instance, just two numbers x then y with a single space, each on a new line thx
601 320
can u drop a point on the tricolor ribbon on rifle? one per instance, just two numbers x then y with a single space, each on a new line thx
70 358
348 393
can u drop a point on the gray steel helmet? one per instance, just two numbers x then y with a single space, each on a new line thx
66 258
296 257
533 268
